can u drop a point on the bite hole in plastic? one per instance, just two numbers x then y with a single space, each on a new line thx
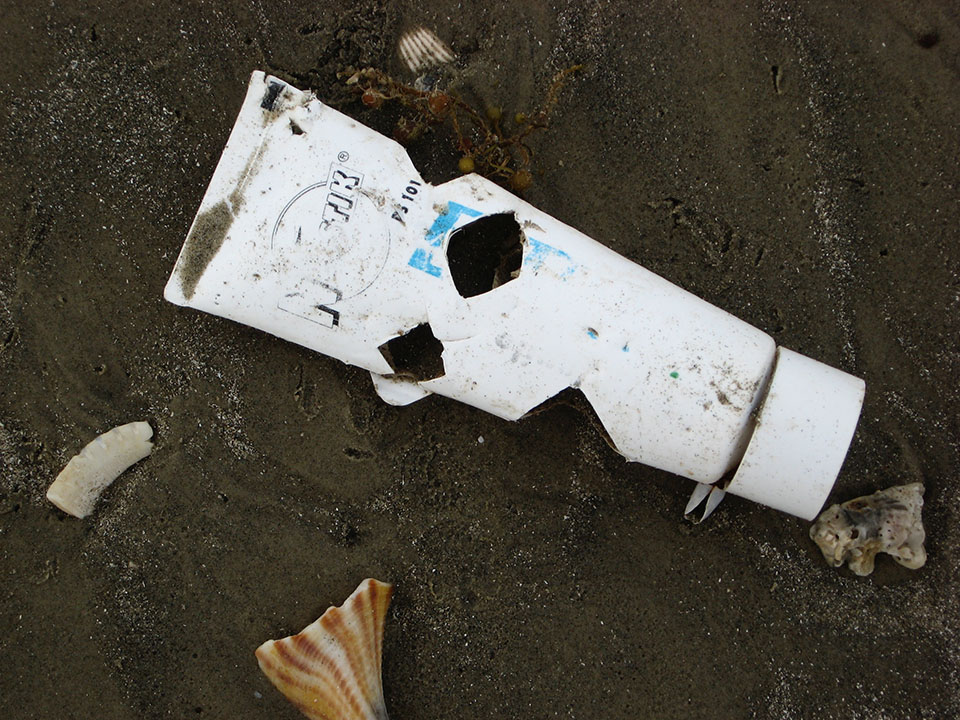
574 398
485 254
416 354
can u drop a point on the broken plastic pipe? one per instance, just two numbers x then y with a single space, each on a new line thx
319 230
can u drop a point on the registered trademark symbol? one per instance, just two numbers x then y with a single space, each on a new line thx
343 156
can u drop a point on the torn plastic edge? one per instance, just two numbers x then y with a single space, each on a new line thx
713 495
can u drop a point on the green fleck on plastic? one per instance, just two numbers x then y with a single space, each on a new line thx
674 374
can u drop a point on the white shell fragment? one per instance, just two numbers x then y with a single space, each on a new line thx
421 49
331 669
888 521
78 486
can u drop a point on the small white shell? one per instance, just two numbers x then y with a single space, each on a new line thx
888 521
331 669
421 49
90 472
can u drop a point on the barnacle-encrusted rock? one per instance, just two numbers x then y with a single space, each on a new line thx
887 521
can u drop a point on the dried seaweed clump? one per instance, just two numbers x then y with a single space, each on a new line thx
888 521
488 143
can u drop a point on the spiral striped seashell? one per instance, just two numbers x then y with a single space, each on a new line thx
331 669
421 49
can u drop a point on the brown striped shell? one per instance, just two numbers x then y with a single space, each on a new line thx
421 49
331 669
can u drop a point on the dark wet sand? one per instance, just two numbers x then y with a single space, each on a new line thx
794 165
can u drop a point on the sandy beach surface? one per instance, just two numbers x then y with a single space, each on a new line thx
794 163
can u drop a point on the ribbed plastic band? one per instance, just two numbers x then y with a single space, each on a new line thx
802 435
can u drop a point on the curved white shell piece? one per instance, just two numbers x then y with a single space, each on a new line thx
888 521
331 669
79 485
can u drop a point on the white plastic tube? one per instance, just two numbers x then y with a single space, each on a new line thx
320 231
